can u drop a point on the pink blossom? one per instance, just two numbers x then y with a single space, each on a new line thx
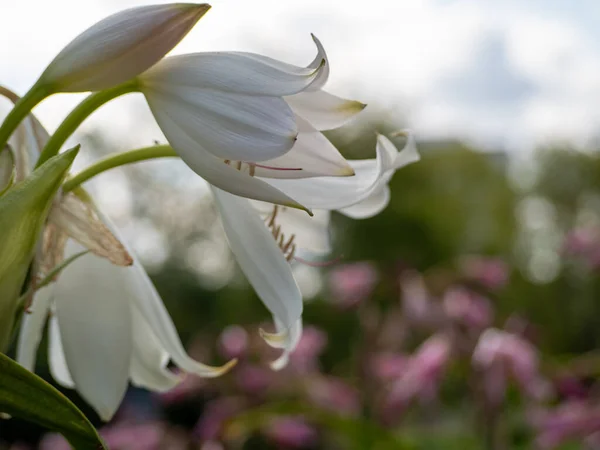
291 432
467 308
188 388
312 343
417 305
334 394
573 420
351 284
215 414
388 366
422 376
500 355
491 273
253 379
233 342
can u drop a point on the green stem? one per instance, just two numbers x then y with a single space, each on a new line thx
79 114
116 160
21 109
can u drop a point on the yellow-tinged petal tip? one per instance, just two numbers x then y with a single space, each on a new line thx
273 339
221 370
346 171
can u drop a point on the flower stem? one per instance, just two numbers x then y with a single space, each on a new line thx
21 109
116 160
79 114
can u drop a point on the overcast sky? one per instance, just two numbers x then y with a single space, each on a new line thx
503 73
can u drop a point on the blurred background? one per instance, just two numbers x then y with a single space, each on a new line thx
466 315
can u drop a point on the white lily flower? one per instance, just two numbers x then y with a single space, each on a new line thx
265 267
120 47
362 196
109 326
235 117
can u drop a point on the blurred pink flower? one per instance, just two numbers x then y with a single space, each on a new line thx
491 273
351 284
210 425
584 243
334 394
468 308
388 366
417 305
311 345
573 420
253 379
233 342
422 376
291 432
500 355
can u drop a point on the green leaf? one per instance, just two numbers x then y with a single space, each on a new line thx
23 211
25 395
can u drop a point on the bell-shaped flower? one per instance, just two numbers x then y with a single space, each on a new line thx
262 261
108 326
237 117
120 47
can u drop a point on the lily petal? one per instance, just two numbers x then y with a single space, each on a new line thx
147 303
149 359
215 171
235 72
370 206
120 47
95 327
322 61
338 193
284 339
56 356
323 110
228 125
32 327
312 153
260 258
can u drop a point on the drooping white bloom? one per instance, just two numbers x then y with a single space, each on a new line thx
108 327
265 267
236 117
120 47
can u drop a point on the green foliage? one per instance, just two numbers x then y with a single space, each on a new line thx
27 396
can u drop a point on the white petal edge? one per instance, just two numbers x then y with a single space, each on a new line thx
370 206
94 318
259 257
324 111
56 356
32 327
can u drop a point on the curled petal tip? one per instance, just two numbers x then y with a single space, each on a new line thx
347 171
276 340
221 370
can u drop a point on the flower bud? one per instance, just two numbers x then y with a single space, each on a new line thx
23 211
120 47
